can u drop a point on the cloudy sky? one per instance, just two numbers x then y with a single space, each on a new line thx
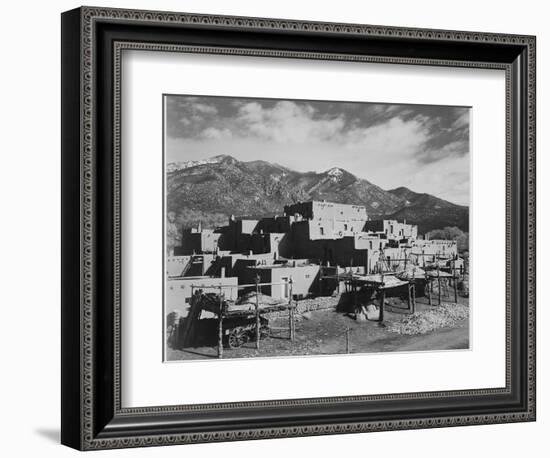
425 148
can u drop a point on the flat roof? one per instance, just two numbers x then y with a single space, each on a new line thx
281 266
199 277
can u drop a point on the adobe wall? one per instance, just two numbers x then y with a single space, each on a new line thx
178 291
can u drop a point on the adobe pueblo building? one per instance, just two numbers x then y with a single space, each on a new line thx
315 248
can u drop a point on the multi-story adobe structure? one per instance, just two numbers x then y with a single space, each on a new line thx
303 274
315 233
194 241
393 230
336 234
328 220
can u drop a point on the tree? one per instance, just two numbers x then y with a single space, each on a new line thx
177 222
452 233
173 232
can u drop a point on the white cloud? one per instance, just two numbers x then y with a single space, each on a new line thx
195 113
453 149
392 151
462 121
204 109
448 179
288 122
211 133
387 142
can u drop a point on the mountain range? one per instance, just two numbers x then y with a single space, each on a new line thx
222 186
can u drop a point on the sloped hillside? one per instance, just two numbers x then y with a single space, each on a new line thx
223 185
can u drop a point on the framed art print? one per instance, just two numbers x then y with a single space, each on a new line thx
277 228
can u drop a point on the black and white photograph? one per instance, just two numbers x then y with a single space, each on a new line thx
275 229
307 227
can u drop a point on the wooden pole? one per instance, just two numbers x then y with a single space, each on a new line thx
176 333
438 287
455 284
257 313
291 322
337 280
414 296
413 290
409 299
290 312
382 299
188 314
220 327
429 288
354 287
348 347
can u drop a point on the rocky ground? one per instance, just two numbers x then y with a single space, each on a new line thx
323 331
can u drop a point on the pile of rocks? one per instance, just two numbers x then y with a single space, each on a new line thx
445 315
318 303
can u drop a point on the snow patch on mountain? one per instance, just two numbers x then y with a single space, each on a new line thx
335 172
182 165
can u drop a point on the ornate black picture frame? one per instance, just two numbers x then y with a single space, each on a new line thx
92 42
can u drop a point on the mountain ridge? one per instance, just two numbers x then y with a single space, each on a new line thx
223 185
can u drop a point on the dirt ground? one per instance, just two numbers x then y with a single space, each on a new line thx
324 332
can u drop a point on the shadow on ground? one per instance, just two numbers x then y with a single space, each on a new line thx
53 435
